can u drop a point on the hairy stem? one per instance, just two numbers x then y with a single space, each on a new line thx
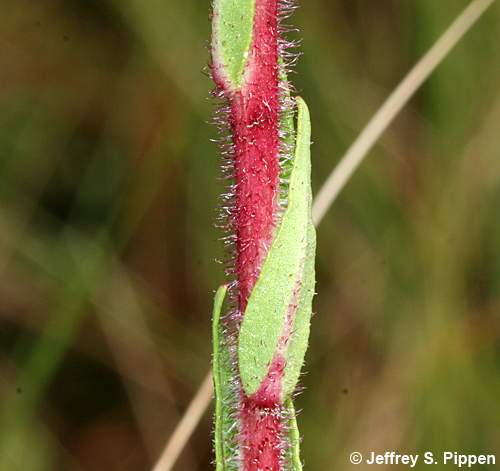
249 72
255 126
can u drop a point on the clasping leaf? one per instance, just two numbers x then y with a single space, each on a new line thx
285 287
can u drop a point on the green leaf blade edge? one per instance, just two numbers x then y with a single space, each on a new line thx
299 341
294 460
223 374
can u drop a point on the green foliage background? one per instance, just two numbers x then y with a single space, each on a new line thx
108 183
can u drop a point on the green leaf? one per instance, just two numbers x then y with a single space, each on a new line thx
288 265
232 32
223 375
294 436
287 127
299 341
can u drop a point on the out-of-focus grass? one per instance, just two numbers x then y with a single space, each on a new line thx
108 182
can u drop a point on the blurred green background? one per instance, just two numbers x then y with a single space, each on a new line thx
108 184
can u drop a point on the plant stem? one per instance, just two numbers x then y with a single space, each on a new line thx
249 72
255 127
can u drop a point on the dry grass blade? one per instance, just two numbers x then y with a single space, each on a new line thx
393 105
336 182
186 426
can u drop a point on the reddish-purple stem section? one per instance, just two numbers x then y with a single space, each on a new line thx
255 123
254 120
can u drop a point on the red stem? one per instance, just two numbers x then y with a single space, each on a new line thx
255 124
